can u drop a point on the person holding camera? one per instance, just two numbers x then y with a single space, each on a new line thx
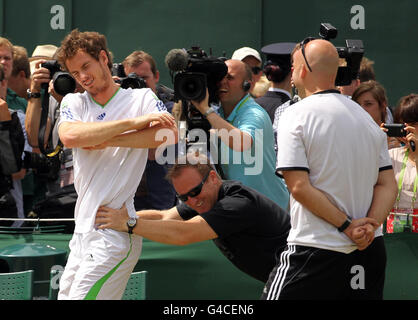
248 228
404 214
41 78
244 129
336 165
109 130
154 192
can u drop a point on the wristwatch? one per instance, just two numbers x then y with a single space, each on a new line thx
345 225
131 224
31 94
209 111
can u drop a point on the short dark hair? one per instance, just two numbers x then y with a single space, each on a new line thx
366 71
20 61
407 109
138 57
377 91
89 41
197 161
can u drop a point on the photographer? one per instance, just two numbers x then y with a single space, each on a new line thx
40 76
404 214
243 120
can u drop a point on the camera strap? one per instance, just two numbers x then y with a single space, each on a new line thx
42 126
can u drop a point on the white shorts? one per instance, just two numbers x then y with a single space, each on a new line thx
99 265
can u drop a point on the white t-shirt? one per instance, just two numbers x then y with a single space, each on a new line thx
342 149
107 177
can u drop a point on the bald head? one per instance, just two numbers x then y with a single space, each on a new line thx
323 59
240 68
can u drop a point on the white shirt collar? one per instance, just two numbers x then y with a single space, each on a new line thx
280 90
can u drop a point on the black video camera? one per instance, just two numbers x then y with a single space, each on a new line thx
63 82
131 80
352 53
194 72
199 72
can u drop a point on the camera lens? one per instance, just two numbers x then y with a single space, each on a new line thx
63 83
191 86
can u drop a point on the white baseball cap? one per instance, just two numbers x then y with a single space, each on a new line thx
243 52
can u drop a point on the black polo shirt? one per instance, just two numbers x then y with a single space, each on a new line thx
252 229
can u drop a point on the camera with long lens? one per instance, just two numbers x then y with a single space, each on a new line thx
194 71
46 167
352 53
131 80
63 82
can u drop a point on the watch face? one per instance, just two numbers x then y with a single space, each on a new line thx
132 222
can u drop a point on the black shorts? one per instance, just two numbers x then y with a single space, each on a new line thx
313 273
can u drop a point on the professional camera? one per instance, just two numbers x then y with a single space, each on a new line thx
195 71
63 82
47 167
352 53
131 80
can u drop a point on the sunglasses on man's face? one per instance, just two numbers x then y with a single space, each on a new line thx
302 46
194 192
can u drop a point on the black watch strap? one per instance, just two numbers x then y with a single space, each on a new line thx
33 94
345 225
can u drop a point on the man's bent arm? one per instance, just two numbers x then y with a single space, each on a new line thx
146 138
317 202
234 134
32 121
384 196
217 122
87 134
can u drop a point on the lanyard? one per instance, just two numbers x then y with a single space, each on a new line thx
239 107
414 196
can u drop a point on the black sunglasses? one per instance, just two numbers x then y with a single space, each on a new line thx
194 192
256 70
302 46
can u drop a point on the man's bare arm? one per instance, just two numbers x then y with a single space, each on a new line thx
316 202
384 196
89 134
169 230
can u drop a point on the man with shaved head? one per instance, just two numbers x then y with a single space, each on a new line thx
335 162
246 151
